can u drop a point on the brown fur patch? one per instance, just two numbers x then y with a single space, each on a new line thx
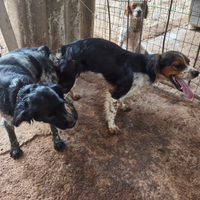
115 105
128 10
169 70
157 57
187 59
111 89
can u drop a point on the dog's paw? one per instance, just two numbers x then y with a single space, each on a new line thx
114 130
126 108
16 152
59 145
76 97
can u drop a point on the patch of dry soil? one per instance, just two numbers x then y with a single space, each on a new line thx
155 156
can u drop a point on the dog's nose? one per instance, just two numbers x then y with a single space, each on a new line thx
139 11
195 73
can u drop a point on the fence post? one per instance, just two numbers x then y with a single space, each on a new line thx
167 26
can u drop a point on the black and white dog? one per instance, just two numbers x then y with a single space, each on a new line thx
125 71
29 91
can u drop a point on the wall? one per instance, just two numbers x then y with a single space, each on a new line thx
51 23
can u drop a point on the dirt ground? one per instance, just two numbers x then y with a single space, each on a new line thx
156 155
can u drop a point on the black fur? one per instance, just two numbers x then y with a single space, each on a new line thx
101 56
29 91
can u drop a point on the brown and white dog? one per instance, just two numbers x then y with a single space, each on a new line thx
135 12
126 72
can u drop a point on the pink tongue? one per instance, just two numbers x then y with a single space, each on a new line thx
186 90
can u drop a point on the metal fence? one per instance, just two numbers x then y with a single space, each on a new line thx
170 25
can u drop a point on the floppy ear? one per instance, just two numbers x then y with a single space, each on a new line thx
45 50
187 59
58 89
153 67
146 10
128 10
62 50
22 113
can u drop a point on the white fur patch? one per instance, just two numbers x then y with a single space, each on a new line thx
14 82
187 72
111 107
139 80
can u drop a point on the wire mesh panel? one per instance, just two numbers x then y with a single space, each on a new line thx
167 27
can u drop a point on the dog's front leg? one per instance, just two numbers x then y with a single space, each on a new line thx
59 144
15 151
111 106
73 94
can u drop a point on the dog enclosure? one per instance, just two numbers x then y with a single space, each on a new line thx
157 154
170 25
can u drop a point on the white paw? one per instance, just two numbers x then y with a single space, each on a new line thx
125 108
114 129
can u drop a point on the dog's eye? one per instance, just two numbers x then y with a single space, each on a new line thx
177 66
133 6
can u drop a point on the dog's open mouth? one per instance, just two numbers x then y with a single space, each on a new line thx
181 85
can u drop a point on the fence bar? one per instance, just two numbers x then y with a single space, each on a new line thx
127 27
145 5
167 26
109 19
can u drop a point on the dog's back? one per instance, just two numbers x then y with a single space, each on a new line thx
31 62
98 56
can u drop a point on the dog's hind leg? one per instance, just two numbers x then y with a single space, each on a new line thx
59 144
15 150
111 106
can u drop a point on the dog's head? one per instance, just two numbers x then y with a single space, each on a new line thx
44 103
174 66
137 9
66 74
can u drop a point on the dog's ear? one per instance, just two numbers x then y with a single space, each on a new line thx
45 50
128 10
187 59
22 113
153 67
146 10
58 89
61 50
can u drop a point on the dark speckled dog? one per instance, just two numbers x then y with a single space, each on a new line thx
29 91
